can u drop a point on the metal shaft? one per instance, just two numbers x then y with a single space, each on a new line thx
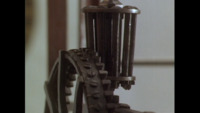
90 33
116 44
126 48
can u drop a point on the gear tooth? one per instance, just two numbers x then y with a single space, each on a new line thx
72 77
96 95
94 83
94 107
79 54
80 79
108 93
111 105
87 66
103 74
106 82
84 59
115 99
100 66
69 83
67 100
91 74
68 91
71 70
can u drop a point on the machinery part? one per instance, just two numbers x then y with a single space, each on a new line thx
98 66
92 81
105 35
111 3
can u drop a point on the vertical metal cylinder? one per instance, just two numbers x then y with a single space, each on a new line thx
107 44
90 30
104 29
116 44
126 48
129 43
132 44
100 39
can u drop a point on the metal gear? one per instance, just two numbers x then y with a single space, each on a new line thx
98 66
92 80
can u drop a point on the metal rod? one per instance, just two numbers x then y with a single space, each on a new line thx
95 31
116 45
132 44
90 30
99 33
107 45
126 49
87 27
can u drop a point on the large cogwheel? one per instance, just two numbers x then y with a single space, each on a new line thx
91 81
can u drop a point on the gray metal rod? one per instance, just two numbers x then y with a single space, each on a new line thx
126 48
116 44
132 44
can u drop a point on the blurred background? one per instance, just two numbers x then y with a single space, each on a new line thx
154 50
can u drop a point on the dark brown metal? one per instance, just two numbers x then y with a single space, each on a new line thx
92 81
90 31
79 96
93 2
116 44
100 35
132 44
82 24
110 3
106 45
61 84
98 66
108 29
51 105
126 48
